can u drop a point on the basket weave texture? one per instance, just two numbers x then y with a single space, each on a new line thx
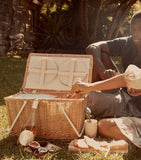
51 121
52 75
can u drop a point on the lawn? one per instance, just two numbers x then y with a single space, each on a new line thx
11 79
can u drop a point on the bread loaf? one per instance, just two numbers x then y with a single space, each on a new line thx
89 144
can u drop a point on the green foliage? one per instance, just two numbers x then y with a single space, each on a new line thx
12 74
117 61
106 15
55 21
125 27
55 29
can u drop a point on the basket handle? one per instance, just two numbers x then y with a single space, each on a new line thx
74 128
17 117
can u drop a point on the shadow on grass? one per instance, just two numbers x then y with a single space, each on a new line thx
10 149
134 153
11 76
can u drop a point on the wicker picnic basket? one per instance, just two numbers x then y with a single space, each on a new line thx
48 78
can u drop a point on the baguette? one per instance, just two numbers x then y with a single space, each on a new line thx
96 145
80 143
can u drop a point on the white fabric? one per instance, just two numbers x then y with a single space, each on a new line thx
133 77
38 96
131 128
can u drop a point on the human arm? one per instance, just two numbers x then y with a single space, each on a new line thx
117 81
130 79
100 52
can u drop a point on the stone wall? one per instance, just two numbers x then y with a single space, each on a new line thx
17 16
5 24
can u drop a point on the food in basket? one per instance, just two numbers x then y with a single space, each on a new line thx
26 137
34 145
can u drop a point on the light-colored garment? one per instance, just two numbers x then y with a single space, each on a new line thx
131 128
133 77
120 104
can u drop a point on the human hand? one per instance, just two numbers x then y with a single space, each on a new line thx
134 92
108 73
79 87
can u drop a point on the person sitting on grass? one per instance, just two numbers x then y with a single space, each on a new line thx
121 103
128 48
127 127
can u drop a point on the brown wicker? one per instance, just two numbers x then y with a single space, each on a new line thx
52 122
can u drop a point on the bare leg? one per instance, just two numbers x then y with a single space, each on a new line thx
108 128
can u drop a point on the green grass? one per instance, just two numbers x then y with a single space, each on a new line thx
11 79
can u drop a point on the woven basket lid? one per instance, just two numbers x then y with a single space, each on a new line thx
56 72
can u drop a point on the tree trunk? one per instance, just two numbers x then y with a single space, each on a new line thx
76 16
80 18
85 19
119 16
6 12
95 20
128 7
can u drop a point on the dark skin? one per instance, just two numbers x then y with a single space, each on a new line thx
108 128
104 68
